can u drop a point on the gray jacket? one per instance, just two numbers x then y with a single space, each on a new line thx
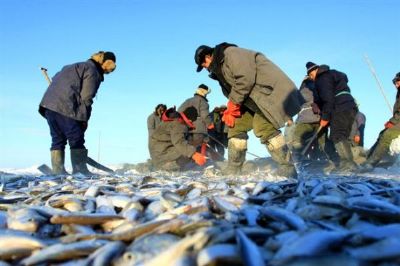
168 142
72 90
153 121
251 75
203 120
306 114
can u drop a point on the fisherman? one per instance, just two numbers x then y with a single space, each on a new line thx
169 148
67 106
388 134
219 134
198 136
154 119
307 124
338 110
261 97
357 138
357 130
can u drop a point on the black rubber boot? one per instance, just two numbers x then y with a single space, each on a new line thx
78 160
346 164
57 162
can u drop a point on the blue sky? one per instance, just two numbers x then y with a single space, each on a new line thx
154 42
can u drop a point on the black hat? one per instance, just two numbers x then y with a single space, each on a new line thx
396 78
109 56
200 54
191 113
311 66
202 86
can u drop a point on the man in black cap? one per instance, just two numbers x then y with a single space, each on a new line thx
338 110
261 97
169 148
67 106
199 135
388 134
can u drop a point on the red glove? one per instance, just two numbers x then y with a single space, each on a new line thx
231 113
323 123
357 139
211 126
389 124
199 158
203 148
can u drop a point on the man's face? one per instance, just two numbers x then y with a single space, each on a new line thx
313 74
397 84
207 61
108 66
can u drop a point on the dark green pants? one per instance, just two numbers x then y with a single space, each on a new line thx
263 128
382 145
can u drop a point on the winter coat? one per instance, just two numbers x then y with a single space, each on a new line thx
250 79
72 90
333 92
358 127
168 141
395 119
153 121
306 114
201 104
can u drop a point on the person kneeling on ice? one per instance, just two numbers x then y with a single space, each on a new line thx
388 134
169 148
67 106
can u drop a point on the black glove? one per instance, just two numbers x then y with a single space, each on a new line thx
315 109
84 125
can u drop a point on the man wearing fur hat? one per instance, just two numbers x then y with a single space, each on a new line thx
261 97
169 149
388 134
338 110
198 135
67 106
154 120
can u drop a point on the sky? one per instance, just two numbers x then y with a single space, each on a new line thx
154 42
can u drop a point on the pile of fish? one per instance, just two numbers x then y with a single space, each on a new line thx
199 218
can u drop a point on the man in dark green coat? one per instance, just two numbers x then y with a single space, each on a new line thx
261 97
387 135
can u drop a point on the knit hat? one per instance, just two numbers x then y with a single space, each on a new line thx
203 90
109 56
396 78
191 113
311 66
200 54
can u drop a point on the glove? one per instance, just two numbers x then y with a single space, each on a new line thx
315 108
211 126
357 139
231 113
203 148
323 123
389 124
84 125
199 158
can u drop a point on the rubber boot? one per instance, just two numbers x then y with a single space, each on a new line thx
346 164
57 162
78 160
374 157
236 156
279 152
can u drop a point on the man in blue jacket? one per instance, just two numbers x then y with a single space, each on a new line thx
338 110
67 106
